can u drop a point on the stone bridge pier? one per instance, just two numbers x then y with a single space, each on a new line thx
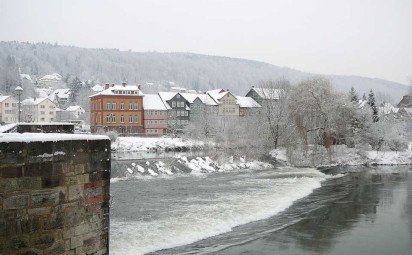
54 194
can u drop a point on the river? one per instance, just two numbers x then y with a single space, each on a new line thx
274 211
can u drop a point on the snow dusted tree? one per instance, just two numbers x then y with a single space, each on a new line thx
321 115
274 112
9 75
353 95
372 104
75 87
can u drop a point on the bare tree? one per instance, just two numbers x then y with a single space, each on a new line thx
274 112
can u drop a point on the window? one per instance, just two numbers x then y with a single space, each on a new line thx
13 105
42 119
51 119
130 106
113 105
121 119
136 106
122 105
130 118
136 119
51 106
107 118
42 106
42 112
6 104
114 118
51 113
173 104
108 106
186 113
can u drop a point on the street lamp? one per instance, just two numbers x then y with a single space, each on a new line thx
18 91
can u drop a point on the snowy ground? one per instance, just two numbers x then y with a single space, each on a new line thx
156 143
342 155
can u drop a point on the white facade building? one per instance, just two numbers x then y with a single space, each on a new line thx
8 109
38 110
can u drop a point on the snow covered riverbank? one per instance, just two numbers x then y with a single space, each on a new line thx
344 156
157 144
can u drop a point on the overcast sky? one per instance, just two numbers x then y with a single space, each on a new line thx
370 38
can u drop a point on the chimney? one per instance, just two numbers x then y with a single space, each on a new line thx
106 86
124 84
139 87
253 87
112 84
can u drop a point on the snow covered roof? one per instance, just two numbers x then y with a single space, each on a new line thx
7 127
32 101
153 102
190 97
124 90
166 96
217 94
73 108
25 76
406 101
387 108
54 76
267 93
60 93
43 92
46 137
2 98
97 88
207 100
247 102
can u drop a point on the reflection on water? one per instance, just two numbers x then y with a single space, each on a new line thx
366 217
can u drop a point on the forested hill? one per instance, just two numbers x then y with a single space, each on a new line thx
194 71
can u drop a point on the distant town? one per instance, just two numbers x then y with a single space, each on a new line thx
124 108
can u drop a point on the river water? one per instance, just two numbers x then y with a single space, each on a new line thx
275 211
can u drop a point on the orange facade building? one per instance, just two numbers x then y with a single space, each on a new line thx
119 108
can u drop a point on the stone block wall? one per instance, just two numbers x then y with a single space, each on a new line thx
54 196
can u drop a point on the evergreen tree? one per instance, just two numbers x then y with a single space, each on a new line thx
353 95
75 87
371 103
9 75
364 97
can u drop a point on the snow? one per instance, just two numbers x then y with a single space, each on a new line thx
74 108
97 88
25 76
153 143
120 90
217 94
387 108
54 76
43 92
7 127
207 100
344 156
49 137
152 173
247 102
2 98
153 102
32 101
59 93
268 93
